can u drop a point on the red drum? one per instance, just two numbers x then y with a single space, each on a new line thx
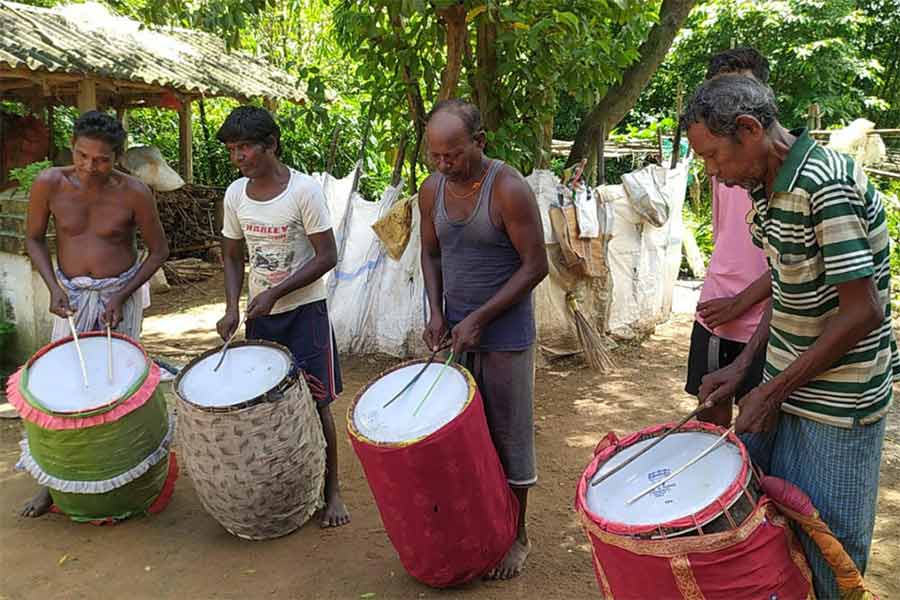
435 475
706 533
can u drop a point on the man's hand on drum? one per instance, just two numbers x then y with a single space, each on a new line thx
262 304
228 324
467 334
720 385
112 316
760 408
719 311
435 332
59 303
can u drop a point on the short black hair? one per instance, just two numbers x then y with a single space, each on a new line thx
744 58
101 126
251 124
466 112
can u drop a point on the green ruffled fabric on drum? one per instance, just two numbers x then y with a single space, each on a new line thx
104 451
132 499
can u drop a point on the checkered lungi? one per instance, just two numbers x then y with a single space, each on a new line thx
838 468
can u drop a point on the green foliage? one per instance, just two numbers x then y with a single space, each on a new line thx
815 48
26 175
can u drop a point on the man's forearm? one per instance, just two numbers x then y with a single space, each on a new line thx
40 258
234 282
758 342
150 265
434 285
756 292
310 272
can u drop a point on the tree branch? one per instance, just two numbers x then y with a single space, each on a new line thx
454 19
620 98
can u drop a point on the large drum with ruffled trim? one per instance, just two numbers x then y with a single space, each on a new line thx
434 472
101 449
705 532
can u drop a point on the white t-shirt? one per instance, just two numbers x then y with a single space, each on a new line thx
277 233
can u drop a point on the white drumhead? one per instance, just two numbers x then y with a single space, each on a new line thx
56 381
396 423
691 491
248 371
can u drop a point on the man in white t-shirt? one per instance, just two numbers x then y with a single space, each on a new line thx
283 216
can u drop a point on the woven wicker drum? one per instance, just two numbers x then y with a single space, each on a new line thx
251 439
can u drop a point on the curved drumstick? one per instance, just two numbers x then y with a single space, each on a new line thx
78 349
644 450
228 343
680 469
434 383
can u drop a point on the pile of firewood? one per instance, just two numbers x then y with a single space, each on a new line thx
188 217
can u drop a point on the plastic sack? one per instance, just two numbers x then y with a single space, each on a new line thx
586 213
646 190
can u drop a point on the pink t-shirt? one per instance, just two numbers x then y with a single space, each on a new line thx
736 262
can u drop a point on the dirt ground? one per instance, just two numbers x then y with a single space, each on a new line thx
184 553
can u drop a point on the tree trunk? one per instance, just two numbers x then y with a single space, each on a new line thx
486 73
620 98
454 19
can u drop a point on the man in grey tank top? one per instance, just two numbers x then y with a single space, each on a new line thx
482 255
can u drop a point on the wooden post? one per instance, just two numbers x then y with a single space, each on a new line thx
51 143
659 145
87 95
185 141
814 117
3 174
676 143
122 116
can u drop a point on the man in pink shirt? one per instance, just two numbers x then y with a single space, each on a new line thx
737 282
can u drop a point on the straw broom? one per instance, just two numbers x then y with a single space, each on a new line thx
595 352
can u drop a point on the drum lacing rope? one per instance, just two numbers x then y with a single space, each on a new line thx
697 524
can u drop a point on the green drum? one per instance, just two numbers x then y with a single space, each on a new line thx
101 448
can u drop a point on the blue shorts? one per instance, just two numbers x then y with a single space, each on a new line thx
306 331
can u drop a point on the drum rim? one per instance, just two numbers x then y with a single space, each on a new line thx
93 411
272 395
727 498
356 434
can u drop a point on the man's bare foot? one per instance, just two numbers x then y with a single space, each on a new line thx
38 505
335 513
513 563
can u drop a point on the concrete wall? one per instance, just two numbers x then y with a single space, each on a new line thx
24 301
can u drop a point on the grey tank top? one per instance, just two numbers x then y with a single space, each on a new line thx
477 259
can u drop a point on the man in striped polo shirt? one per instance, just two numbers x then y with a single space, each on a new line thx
817 418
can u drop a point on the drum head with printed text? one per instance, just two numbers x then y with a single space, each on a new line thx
696 488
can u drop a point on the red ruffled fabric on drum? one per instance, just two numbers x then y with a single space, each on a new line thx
444 500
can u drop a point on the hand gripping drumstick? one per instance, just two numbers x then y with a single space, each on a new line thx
228 343
678 471
646 448
78 349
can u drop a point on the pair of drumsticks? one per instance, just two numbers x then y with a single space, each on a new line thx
654 443
109 358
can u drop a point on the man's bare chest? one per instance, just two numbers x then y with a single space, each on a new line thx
104 216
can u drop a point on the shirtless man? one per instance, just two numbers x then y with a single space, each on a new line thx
482 255
97 210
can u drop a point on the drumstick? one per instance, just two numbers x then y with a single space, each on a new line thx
678 471
413 381
78 349
109 362
227 343
434 383
644 450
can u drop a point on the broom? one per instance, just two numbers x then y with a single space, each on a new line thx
595 352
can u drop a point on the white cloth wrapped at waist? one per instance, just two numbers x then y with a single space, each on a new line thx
89 297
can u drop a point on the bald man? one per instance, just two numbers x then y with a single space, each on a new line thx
482 255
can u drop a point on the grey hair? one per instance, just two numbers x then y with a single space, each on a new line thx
720 101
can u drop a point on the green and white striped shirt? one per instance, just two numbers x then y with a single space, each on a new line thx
825 225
